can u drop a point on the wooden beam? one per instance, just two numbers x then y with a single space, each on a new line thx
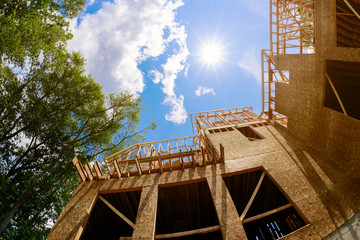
203 155
336 93
117 212
181 160
351 8
192 158
268 213
252 197
89 172
79 169
117 168
138 165
188 233
222 153
160 163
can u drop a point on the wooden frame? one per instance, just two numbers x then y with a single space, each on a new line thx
292 26
269 76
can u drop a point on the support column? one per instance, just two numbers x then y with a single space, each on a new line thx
231 227
146 216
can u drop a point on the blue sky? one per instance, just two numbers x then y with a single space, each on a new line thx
152 48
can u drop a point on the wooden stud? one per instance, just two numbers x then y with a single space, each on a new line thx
203 155
222 153
181 160
138 166
160 163
117 168
131 224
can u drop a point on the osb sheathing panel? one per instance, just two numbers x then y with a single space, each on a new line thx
323 195
302 100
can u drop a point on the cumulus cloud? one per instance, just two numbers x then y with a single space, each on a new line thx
156 76
121 35
250 63
203 90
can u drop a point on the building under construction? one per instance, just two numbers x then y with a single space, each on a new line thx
291 172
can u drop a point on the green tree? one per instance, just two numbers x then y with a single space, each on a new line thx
50 111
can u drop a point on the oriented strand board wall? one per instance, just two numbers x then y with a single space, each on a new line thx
302 100
322 194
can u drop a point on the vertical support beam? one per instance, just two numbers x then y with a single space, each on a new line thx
116 166
138 165
160 163
231 227
144 228
203 155
222 153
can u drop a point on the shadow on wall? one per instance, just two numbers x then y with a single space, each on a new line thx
337 190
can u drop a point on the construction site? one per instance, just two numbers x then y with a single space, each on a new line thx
290 172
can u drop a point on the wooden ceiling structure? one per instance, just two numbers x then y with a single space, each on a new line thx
347 23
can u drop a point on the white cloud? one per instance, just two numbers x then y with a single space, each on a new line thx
177 113
157 76
124 33
250 63
203 90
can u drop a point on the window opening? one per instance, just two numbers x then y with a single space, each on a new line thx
186 212
106 222
342 87
250 133
266 213
348 23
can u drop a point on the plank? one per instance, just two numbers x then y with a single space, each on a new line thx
188 233
117 212
268 213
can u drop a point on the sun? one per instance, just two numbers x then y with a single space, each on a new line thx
211 52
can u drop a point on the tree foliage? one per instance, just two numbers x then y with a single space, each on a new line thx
50 111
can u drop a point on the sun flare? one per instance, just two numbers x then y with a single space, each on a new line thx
211 53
